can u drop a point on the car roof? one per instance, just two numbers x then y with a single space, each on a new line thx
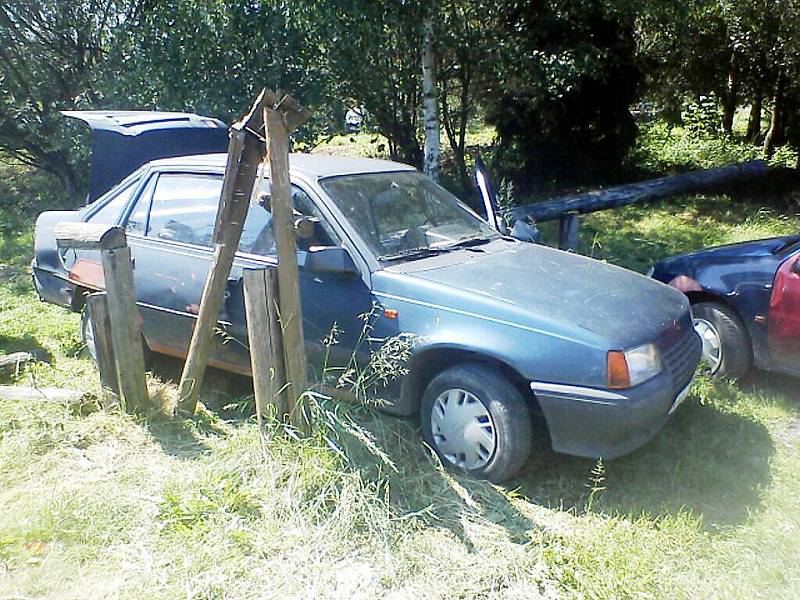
313 166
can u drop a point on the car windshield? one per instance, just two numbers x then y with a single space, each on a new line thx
403 215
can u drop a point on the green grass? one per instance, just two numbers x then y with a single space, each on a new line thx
98 505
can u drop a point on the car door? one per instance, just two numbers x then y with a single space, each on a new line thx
334 305
170 229
784 315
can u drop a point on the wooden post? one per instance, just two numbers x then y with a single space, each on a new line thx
245 152
104 348
568 232
125 320
265 341
282 119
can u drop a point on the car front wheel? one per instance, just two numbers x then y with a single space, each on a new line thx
726 344
477 421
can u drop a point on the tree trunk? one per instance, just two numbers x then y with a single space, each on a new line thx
754 123
775 133
729 102
430 101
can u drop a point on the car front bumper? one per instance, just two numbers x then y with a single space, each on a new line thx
607 423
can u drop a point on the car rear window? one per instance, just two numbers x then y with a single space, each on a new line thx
110 212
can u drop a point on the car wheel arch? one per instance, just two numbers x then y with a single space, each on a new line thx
425 365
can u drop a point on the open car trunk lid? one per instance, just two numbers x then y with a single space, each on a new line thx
122 141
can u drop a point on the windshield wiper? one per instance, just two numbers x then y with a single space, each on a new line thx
416 252
469 242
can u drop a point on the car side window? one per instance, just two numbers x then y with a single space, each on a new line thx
257 237
184 208
110 211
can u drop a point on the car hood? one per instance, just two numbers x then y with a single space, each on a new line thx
530 285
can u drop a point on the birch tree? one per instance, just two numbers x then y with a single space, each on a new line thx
430 97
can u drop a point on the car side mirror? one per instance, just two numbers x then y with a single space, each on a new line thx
330 259
796 267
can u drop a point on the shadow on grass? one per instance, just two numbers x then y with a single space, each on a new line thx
707 461
225 394
25 343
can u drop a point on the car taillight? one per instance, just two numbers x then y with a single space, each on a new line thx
618 375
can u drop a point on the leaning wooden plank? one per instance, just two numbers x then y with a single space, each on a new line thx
89 236
18 393
276 119
245 152
104 348
633 193
126 327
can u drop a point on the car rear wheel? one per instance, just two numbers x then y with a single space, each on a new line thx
477 421
726 344
87 334
87 337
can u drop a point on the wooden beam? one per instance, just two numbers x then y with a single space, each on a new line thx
245 151
568 232
89 236
633 193
279 121
264 341
16 393
125 324
11 364
126 327
104 348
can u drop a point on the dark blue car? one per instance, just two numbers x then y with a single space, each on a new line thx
746 303
503 329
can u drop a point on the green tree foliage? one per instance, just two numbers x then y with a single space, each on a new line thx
563 77
374 52
212 56
53 57
736 52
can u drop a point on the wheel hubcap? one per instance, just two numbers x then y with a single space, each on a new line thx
463 429
712 343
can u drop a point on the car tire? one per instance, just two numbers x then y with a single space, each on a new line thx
87 337
87 334
486 418
718 324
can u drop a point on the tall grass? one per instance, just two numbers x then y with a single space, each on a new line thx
98 505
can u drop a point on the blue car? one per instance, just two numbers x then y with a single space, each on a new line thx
503 330
746 302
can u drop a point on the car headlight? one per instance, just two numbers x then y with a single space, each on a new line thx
632 367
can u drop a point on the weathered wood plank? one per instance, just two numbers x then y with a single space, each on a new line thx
288 278
126 327
240 177
264 357
89 236
19 393
568 232
11 364
633 193
104 348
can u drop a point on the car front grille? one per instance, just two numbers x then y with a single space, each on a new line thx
680 349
